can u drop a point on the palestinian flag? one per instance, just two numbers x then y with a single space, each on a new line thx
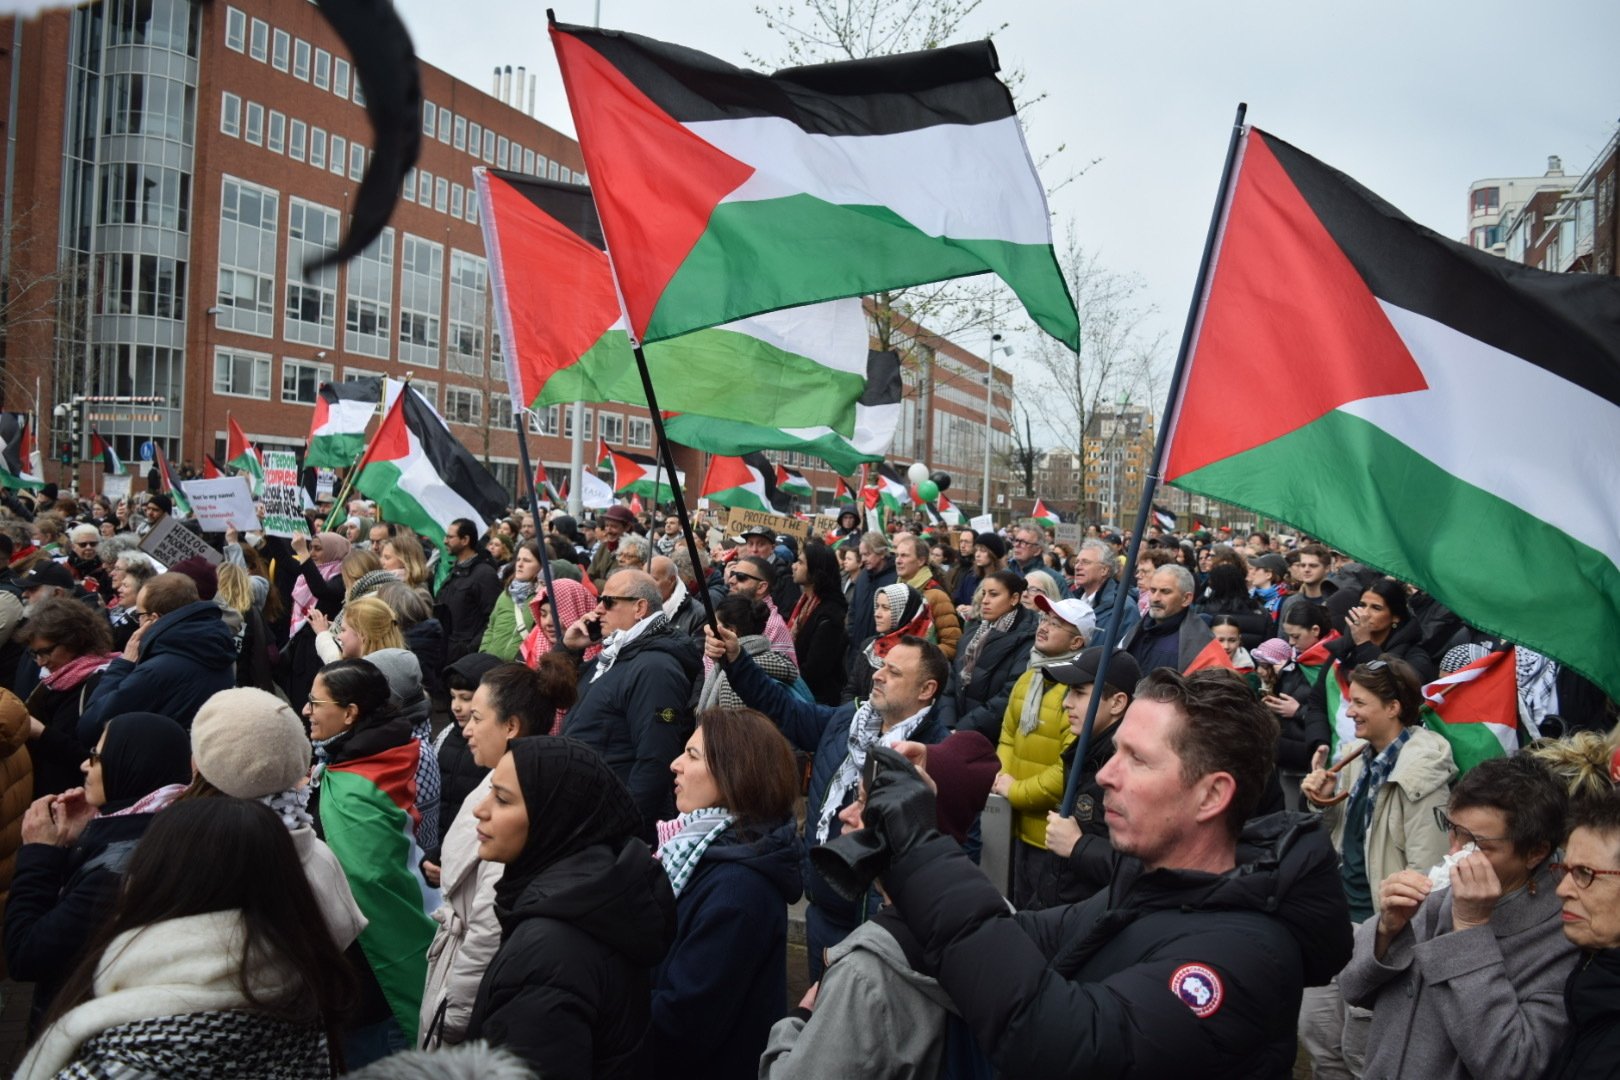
885 489
211 469
101 448
171 482
1342 730
841 493
877 413
343 411
1423 355
1042 516
241 455
634 474
422 477
17 468
565 338
724 192
948 511
1163 518
635 505
1476 708
368 818
735 483
1212 655
1316 659
792 482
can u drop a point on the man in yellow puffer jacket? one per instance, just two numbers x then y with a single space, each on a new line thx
1035 732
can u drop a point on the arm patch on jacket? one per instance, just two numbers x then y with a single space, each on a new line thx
1199 988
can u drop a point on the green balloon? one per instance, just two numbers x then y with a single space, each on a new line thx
928 490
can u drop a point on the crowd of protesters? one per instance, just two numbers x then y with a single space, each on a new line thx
508 802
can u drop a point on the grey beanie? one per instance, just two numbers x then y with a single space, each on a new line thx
249 744
402 670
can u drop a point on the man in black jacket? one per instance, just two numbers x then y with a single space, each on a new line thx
469 593
1194 958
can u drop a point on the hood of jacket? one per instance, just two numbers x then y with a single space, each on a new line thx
1286 868
773 853
196 633
664 638
622 899
879 939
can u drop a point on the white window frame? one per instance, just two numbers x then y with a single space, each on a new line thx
280 49
340 77
301 54
261 367
230 114
297 139
235 30
323 374
323 69
317 147
259 40
275 133
253 124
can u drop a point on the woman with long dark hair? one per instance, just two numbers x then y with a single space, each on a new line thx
817 622
732 857
201 972
586 914
363 805
1382 625
995 651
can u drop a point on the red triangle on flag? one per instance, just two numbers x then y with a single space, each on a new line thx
1212 655
1282 300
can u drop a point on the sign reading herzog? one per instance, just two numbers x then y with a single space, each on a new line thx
170 542
283 503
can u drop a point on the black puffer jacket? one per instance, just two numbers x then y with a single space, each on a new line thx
1165 973
1090 865
1299 735
821 645
570 990
464 602
1591 1049
981 705
638 714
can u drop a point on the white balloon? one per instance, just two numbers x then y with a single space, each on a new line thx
917 473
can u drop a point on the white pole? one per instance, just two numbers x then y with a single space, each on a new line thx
989 392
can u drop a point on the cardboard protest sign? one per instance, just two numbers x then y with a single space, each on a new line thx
226 502
283 495
170 542
740 519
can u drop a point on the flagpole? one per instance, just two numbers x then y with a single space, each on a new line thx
539 528
667 456
1150 484
354 470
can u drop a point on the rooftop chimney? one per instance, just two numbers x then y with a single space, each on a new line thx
1555 165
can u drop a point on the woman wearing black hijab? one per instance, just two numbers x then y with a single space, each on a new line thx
586 914
76 845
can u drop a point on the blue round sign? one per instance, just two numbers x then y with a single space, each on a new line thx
146 450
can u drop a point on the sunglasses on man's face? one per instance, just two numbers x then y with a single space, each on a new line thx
735 575
607 601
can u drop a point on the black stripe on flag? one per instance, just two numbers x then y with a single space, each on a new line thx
1562 323
884 95
454 464
570 204
884 385
365 388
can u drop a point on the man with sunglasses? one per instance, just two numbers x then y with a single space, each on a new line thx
635 698
751 577
1589 886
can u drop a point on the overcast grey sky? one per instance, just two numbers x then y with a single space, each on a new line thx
1414 98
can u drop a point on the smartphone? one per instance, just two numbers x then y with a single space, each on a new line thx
593 629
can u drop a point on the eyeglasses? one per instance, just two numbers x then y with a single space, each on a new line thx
608 601
1583 875
1457 832
41 653
313 700
144 615
1025 543
736 575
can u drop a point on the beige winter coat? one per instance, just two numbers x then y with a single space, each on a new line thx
330 886
1401 834
469 934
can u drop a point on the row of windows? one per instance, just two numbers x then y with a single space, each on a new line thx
247 374
271 129
296 56
491 147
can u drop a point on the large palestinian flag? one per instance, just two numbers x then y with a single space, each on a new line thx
565 338
1442 400
1476 708
17 468
877 414
368 818
343 411
420 476
724 192
634 474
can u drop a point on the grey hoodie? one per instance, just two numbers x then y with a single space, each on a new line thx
404 674
874 1017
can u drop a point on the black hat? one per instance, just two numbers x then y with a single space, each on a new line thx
1123 674
1276 564
992 543
759 530
48 573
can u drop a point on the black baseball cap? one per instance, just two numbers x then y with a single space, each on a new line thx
1123 673
47 573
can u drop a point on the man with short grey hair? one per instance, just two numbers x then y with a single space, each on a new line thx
1170 635
1029 552
685 612
635 698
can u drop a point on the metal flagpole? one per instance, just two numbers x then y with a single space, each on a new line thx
539 529
1111 639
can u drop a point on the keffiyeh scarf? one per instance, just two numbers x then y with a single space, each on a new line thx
684 840
865 730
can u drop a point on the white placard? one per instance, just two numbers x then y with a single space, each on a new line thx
983 523
115 486
226 502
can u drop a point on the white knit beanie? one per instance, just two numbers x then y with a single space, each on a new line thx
249 744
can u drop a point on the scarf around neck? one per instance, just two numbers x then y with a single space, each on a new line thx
1030 718
77 670
615 642
865 730
684 840
981 635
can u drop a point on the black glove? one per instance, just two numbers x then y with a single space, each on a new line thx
899 815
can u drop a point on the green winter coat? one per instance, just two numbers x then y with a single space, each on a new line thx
508 625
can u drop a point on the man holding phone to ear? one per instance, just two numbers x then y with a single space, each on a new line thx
635 699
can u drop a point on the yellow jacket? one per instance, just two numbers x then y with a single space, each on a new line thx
1034 761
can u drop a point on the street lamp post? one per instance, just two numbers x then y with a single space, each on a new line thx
989 407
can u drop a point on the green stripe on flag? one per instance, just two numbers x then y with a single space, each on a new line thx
335 451
1470 743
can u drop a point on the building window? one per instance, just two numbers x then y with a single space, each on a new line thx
259 43
145 195
281 45
340 77
323 69
568 423
475 134
540 164
368 315
276 138
463 406
502 146
445 119
359 95
409 191
247 258
301 60
317 147
489 147
545 422
459 140
611 426
429 114
301 380
441 194
428 390
421 290
469 277
339 149
311 309
242 374
457 194
144 285
472 207
296 140
255 124
553 171
357 161
640 432
500 412
528 162
230 115
424 188
235 29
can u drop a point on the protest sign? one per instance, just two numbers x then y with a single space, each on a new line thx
170 542
283 495
982 523
226 502
115 486
1067 532
740 519
325 484
824 524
